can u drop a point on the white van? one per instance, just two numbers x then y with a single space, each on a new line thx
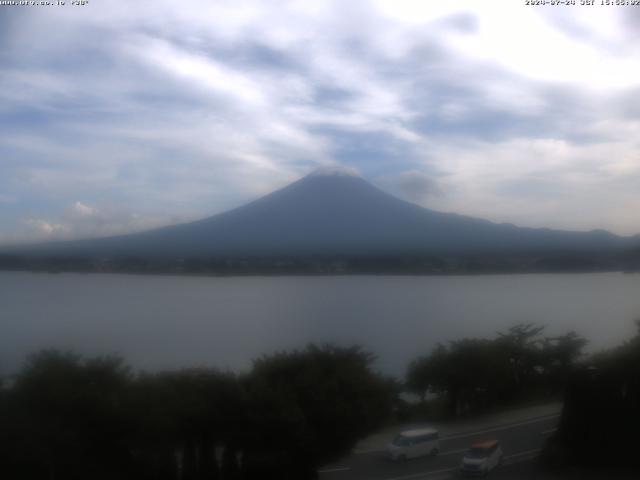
414 443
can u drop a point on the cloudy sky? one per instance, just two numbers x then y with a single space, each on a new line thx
119 116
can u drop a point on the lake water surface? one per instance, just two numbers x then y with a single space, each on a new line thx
172 321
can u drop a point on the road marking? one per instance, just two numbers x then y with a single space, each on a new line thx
511 458
441 454
522 456
547 432
455 469
337 469
501 427
471 434
526 452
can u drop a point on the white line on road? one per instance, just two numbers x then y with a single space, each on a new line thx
501 427
511 459
519 454
515 458
521 457
471 434
547 432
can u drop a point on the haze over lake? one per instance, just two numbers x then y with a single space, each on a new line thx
172 321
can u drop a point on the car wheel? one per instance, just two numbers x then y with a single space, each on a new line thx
402 458
433 452
500 460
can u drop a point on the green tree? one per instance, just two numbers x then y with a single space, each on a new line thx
560 355
522 345
472 373
601 415
184 417
311 406
475 374
67 418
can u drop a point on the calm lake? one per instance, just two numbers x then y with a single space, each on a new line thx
158 322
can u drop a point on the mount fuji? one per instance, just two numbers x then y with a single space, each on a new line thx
334 212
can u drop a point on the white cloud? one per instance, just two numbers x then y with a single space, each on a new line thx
198 70
535 43
80 220
182 112
43 228
81 210
544 183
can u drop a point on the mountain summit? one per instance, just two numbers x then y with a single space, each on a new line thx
334 171
335 212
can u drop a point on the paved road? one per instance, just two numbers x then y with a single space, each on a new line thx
521 443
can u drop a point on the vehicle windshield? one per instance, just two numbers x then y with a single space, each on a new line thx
477 453
400 441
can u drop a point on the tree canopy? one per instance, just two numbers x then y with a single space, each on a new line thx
476 373
68 417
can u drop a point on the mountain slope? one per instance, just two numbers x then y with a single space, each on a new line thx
330 214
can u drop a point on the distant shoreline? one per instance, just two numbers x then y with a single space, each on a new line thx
332 264
320 274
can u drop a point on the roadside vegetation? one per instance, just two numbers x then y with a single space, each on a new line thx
67 417
472 375
601 416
